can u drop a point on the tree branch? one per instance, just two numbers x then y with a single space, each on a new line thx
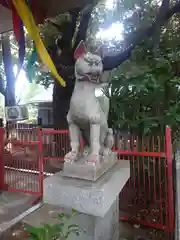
64 43
111 62
84 21
58 27
157 31
67 30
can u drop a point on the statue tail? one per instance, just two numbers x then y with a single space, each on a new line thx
109 140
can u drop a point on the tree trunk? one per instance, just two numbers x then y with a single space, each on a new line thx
62 95
10 99
61 101
9 92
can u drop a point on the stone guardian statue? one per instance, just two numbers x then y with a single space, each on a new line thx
87 116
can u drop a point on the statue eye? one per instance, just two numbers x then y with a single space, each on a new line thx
90 63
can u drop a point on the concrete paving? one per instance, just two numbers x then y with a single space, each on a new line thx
13 204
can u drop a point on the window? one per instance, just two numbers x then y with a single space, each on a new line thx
46 114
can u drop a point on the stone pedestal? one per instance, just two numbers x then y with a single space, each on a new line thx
82 170
98 202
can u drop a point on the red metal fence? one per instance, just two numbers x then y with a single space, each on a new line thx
23 164
147 197
30 154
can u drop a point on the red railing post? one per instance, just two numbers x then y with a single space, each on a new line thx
41 160
2 172
170 189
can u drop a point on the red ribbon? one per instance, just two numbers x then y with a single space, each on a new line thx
16 24
19 35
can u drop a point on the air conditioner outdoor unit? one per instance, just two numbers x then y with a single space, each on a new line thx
16 113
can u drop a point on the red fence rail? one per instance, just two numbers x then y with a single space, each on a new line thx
30 154
22 162
147 197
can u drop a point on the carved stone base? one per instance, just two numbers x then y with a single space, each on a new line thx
82 170
97 203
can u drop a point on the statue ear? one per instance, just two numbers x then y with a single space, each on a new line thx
99 51
80 50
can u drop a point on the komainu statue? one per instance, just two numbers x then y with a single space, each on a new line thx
87 116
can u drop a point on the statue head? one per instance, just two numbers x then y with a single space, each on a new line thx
88 66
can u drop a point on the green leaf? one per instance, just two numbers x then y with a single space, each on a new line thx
73 226
74 212
63 217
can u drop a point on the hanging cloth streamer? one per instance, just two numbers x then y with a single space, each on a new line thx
28 20
21 44
16 24
33 57
19 35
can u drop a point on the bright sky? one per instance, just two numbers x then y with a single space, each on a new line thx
115 31
110 4
21 82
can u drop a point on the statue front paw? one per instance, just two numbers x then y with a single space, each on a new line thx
71 156
93 159
106 152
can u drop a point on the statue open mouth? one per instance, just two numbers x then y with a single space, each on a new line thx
91 77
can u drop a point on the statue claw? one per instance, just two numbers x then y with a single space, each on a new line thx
107 152
71 156
93 159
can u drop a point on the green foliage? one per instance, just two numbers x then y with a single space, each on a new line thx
60 231
49 33
43 78
146 99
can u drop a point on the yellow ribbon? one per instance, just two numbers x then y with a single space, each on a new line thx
28 20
